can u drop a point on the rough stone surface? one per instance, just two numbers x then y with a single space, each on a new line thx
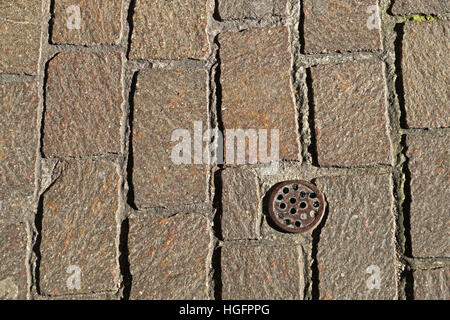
20 29
240 204
168 257
425 65
18 141
350 114
429 168
420 6
100 22
432 284
261 273
240 9
256 85
169 29
340 25
164 102
83 104
358 234
13 273
79 228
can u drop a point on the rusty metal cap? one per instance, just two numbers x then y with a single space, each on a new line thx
296 206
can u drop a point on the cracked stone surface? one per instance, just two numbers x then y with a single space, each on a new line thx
169 29
430 184
18 138
251 9
99 22
402 7
107 187
240 204
167 261
13 274
261 272
357 245
83 104
425 65
79 229
20 29
350 114
256 89
432 284
341 25
166 101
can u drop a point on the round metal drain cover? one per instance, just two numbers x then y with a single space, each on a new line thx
296 206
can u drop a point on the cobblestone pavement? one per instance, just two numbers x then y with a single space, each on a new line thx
92 205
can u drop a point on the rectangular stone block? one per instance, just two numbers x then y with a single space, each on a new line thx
425 65
86 22
18 141
261 272
83 104
169 30
341 25
350 114
168 257
251 9
20 36
430 194
240 204
166 167
356 249
78 246
256 88
432 284
402 7
13 271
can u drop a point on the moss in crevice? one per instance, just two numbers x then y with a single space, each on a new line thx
420 18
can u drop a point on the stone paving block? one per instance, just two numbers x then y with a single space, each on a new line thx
79 229
256 86
240 9
350 114
429 169
402 7
20 28
341 25
99 22
166 101
357 241
18 141
168 257
83 104
13 272
261 273
169 30
425 65
432 284
240 204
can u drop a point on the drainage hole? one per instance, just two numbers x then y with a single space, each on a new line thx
302 194
293 211
295 186
293 200
312 195
280 197
316 204
303 205
287 221
298 224
285 190
282 205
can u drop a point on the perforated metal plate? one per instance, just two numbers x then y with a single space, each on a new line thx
296 206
